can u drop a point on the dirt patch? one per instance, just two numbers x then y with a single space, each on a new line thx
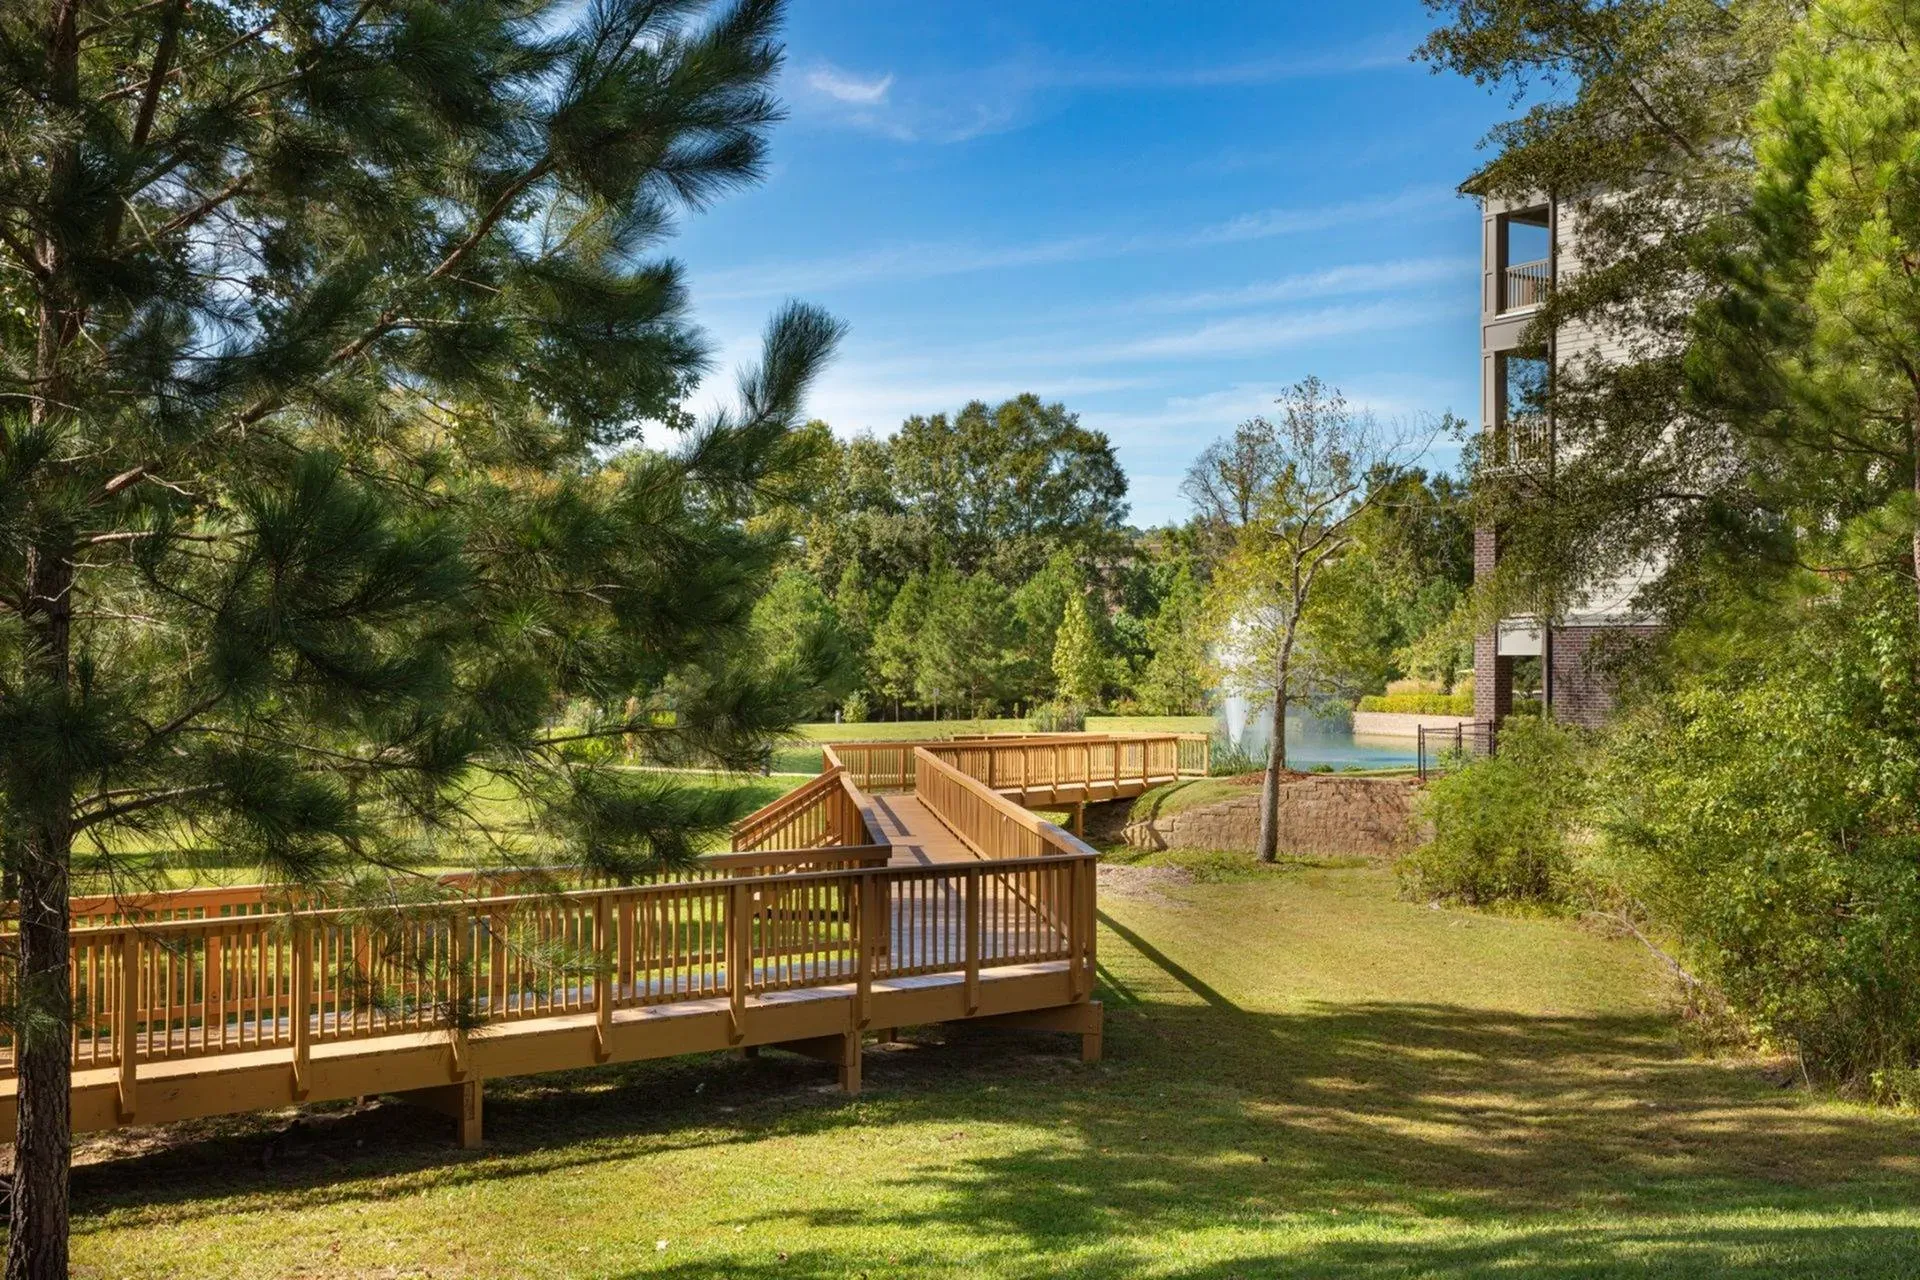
1143 884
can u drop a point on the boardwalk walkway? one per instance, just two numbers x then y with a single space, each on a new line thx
936 898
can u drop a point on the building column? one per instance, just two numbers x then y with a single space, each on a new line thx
1492 674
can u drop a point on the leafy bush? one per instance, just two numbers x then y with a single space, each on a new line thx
856 709
1502 824
1763 811
1419 704
1059 717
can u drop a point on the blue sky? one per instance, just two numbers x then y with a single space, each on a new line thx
1159 213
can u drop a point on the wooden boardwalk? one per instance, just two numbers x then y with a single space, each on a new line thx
841 913
914 834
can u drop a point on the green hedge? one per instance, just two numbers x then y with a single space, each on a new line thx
1419 704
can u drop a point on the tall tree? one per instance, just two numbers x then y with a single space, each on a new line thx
1178 674
1230 478
1079 665
896 643
803 642
997 488
962 654
1811 351
1638 124
1280 578
319 325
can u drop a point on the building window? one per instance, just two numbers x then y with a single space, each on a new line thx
1526 258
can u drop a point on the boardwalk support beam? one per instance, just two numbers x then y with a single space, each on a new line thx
841 1049
1085 1020
461 1101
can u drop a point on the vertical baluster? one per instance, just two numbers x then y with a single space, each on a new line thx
302 995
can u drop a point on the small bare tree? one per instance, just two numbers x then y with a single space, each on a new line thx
1276 620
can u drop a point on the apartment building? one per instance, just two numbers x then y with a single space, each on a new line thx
1525 248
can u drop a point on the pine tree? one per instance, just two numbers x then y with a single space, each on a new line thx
1177 676
896 643
963 647
1079 665
327 341
1812 349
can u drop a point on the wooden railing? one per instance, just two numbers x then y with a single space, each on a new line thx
1031 762
191 988
829 810
986 822
217 973
228 901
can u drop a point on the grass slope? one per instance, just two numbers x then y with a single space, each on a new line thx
1305 1077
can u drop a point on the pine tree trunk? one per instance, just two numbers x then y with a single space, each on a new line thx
43 1142
1916 494
43 1135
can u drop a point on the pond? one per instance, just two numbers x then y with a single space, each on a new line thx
1317 740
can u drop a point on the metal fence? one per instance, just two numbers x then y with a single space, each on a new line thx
1445 747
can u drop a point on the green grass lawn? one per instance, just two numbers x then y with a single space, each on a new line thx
132 862
1305 1076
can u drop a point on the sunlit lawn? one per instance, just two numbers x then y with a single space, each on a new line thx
503 831
1305 1076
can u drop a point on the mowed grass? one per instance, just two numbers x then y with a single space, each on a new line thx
186 862
1305 1076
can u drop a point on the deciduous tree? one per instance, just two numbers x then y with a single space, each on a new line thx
1276 584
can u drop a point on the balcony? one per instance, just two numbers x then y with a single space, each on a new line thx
1522 444
1525 284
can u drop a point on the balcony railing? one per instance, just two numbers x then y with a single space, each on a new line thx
1525 285
1521 443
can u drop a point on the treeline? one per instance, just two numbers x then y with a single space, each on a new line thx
982 563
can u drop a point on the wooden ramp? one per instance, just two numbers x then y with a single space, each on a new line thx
914 834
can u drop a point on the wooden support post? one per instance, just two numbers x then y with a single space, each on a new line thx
842 1049
460 988
1080 818
864 952
627 948
1076 933
739 958
972 944
302 1000
1085 1019
461 1101
126 1021
602 979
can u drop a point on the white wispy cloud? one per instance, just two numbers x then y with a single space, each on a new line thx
1379 54
927 260
961 104
1267 332
843 86
1355 278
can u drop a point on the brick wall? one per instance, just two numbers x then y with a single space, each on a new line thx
1492 674
1583 684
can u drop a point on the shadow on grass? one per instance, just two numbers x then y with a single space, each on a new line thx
1383 1139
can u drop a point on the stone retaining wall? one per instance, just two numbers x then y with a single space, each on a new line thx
1319 814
